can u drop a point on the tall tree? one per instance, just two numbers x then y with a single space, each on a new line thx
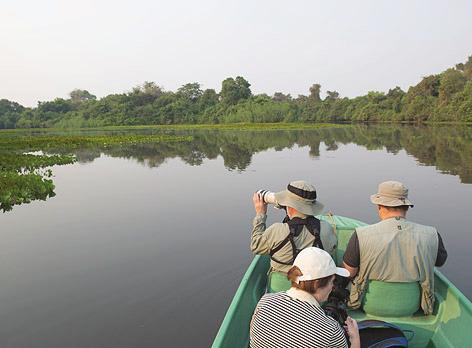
190 92
466 68
209 98
81 95
315 90
280 97
149 88
332 95
452 81
234 90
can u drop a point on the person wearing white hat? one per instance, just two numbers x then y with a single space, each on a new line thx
300 229
394 250
294 318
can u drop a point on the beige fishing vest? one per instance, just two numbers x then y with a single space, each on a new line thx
396 250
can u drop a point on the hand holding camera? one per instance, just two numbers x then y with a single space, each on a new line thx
260 206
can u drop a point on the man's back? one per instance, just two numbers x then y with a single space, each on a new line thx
396 250
409 250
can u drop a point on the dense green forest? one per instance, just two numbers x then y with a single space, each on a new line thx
443 97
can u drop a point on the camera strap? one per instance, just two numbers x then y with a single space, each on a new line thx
295 228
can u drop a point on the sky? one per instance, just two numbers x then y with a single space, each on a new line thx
48 48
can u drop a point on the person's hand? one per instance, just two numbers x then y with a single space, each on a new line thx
259 205
352 331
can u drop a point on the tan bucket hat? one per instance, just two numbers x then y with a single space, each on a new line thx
391 194
301 196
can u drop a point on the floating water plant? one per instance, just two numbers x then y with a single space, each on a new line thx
25 176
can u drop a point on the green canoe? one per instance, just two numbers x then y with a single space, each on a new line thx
449 326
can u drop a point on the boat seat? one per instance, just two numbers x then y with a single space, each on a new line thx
391 299
423 326
277 281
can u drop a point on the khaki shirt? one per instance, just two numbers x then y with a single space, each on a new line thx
396 250
264 240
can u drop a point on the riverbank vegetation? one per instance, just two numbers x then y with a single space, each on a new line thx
25 161
443 97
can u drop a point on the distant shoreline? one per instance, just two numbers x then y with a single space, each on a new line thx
239 126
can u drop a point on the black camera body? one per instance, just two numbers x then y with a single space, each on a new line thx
336 305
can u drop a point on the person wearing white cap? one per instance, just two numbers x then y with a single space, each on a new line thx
294 318
300 229
394 250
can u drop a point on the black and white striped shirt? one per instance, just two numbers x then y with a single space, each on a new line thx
293 319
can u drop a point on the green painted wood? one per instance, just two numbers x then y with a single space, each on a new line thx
403 299
449 326
278 282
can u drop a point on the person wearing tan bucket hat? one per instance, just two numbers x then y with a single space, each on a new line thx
391 194
395 255
301 196
299 230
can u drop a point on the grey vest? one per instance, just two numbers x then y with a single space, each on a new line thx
396 250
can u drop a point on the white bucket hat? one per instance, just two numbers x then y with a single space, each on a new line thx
315 263
391 194
301 196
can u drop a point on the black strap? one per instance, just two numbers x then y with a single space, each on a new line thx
311 195
295 228
280 246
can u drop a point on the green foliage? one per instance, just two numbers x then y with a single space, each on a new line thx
234 90
18 189
21 162
48 143
452 82
331 95
315 90
81 95
436 98
466 68
10 113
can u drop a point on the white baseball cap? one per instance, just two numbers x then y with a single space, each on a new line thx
315 263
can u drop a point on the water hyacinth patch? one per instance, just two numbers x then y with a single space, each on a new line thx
26 176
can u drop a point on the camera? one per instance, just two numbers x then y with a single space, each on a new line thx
267 196
336 305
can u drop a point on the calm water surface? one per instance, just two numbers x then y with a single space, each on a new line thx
144 246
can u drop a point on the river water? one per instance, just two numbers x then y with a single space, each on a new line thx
144 246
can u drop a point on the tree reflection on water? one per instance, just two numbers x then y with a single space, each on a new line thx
448 148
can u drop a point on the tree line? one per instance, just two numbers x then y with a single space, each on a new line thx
446 96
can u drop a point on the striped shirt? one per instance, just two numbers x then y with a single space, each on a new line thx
293 319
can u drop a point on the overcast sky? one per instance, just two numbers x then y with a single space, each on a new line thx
48 47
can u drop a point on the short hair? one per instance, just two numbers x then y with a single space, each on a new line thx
403 208
307 285
302 215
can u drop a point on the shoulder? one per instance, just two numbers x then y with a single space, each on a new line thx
278 302
267 299
424 228
273 297
278 228
372 228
